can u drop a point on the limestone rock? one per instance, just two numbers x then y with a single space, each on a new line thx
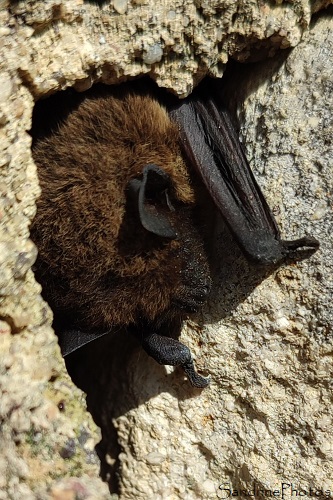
265 421
84 41
266 415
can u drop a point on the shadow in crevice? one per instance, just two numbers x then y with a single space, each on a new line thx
242 80
118 376
100 3
320 14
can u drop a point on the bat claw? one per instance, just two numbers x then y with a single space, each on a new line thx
195 379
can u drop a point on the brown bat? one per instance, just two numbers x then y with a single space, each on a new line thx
120 228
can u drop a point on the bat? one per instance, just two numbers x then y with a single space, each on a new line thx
120 227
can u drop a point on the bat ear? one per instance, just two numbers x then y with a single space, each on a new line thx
151 195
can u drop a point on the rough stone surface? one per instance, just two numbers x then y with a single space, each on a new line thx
86 41
266 417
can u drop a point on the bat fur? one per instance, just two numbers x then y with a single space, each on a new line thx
98 265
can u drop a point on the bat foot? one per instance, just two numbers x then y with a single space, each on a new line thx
168 351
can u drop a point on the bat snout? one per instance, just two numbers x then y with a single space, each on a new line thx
201 293
193 296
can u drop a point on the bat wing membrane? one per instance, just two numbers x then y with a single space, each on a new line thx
211 145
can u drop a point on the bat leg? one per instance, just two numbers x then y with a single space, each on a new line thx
168 351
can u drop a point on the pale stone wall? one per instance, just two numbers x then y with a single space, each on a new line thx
266 417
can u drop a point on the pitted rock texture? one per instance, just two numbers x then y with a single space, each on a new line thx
266 416
78 42
266 419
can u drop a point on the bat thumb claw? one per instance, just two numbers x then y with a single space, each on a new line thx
300 249
307 242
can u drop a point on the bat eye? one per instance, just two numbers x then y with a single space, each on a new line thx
153 201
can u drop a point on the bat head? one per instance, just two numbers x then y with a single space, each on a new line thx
118 226
166 223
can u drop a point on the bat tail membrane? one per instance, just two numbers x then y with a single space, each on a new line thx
72 339
211 145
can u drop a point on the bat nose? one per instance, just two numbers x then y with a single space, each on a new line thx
206 283
194 298
202 294
201 286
